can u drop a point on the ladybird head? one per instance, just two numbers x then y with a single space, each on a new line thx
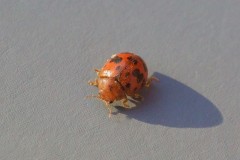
110 89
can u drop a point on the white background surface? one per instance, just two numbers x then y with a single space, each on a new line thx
48 50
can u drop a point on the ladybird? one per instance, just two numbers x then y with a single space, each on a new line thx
122 76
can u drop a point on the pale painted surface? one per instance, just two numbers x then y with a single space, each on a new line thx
48 50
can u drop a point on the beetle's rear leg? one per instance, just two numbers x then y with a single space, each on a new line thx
137 96
149 81
125 103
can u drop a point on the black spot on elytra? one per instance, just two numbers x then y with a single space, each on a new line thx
135 89
133 60
111 102
136 73
116 59
118 67
110 88
127 74
128 85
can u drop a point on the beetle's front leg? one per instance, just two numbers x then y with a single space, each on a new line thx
93 83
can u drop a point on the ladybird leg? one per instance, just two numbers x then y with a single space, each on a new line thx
107 105
92 96
137 96
97 70
149 81
93 83
125 103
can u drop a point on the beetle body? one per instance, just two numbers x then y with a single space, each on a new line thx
124 74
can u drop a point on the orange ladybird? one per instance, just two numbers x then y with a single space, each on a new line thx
121 76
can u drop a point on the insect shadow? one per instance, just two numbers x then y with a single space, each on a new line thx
173 104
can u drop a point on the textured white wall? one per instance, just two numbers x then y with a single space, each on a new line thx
48 50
